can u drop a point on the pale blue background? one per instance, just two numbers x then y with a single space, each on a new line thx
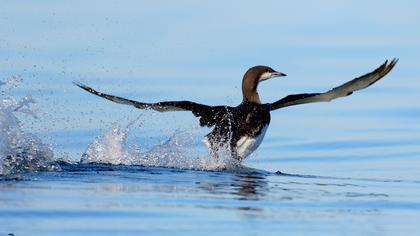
167 50
199 50
173 50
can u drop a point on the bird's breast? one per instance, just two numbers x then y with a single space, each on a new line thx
247 144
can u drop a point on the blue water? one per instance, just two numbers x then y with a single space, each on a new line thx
349 167
130 200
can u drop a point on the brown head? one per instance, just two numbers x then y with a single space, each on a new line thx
251 80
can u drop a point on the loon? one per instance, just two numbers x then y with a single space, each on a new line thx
243 127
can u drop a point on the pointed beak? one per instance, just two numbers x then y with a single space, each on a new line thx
277 74
270 75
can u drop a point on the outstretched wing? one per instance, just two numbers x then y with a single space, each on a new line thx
340 91
208 114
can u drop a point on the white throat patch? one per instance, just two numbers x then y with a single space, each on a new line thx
266 75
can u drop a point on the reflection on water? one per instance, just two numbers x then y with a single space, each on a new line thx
251 187
123 195
243 186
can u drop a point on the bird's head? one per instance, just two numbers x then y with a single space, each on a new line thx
253 77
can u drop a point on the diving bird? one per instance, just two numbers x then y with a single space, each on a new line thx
243 127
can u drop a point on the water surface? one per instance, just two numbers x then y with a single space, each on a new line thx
349 167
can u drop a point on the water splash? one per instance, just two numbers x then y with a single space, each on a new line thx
20 151
110 147
178 151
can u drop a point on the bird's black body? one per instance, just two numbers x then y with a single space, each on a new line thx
235 123
243 127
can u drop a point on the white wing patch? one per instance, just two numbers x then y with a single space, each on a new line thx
246 145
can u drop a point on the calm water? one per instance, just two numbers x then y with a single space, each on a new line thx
349 167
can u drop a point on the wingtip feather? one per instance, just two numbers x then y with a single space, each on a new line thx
80 85
394 62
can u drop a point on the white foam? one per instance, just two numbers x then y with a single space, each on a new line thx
178 151
110 147
20 151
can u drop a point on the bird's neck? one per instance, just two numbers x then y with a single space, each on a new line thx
250 94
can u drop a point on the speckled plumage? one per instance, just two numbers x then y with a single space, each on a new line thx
243 127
